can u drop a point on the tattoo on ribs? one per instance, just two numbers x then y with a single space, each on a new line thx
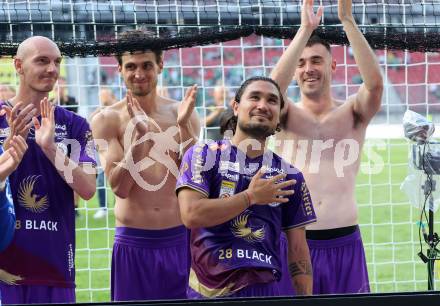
302 267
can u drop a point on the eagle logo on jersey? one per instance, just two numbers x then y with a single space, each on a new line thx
30 200
240 229
9 278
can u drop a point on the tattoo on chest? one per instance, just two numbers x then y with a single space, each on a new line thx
302 267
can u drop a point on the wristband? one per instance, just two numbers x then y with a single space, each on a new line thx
248 199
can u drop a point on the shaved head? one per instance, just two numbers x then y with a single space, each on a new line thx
37 63
33 44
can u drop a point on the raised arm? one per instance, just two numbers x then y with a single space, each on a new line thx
9 161
188 121
368 99
296 120
285 68
81 178
105 126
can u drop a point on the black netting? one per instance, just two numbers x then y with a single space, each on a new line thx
92 27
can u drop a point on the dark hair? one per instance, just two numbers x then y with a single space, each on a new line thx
138 35
316 40
229 121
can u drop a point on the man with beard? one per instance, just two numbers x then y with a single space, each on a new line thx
320 128
141 160
59 161
236 197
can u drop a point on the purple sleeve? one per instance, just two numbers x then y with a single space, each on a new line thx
299 210
192 170
83 135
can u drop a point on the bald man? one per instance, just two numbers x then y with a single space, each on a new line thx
39 263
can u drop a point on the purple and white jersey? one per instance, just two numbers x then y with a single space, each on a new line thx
244 250
43 249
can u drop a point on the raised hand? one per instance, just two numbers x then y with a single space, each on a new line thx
186 107
19 120
11 158
264 191
45 131
308 17
345 10
137 114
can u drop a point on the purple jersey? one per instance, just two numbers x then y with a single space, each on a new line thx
43 249
244 250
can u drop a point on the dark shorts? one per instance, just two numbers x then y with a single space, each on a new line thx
149 264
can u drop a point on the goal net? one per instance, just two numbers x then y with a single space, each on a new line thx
217 44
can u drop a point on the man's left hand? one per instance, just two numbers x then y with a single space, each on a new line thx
186 107
45 131
345 10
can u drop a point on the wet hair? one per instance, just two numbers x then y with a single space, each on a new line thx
228 120
138 35
316 40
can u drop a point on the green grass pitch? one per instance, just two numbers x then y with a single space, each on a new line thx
388 225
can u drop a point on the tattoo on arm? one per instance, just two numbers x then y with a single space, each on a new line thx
302 267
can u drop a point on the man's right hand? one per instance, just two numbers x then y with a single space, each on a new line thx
19 120
264 191
308 18
137 115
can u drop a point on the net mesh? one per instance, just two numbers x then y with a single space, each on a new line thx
227 49
92 27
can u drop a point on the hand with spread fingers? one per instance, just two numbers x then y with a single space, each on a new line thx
11 158
308 18
137 114
264 191
186 107
45 131
19 120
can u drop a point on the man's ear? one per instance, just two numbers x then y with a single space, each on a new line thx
333 65
18 64
160 64
235 106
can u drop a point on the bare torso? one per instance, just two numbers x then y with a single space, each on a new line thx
328 154
152 203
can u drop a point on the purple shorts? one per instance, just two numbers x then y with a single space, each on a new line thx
31 294
255 290
149 264
339 265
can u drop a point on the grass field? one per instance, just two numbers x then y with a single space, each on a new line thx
388 225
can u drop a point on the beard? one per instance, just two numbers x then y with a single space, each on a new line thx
143 91
256 130
140 92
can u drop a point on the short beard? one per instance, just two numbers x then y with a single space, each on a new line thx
256 131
